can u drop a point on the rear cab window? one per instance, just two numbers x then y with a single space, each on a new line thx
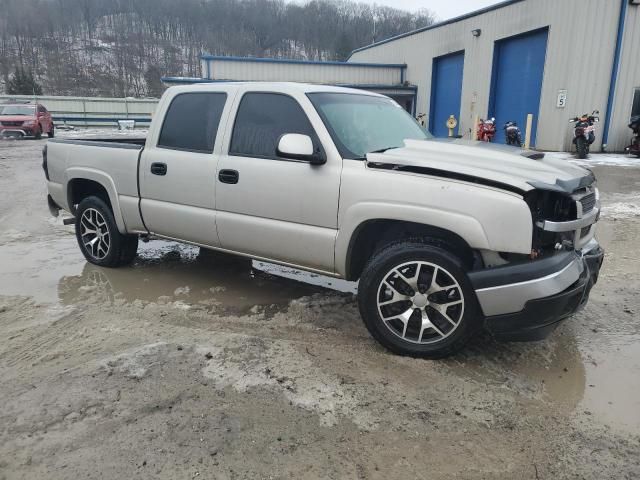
191 122
261 120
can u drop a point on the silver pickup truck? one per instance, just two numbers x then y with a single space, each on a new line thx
445 236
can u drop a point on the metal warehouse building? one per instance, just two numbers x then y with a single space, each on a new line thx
385 78
555 59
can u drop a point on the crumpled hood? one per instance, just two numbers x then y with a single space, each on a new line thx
497 164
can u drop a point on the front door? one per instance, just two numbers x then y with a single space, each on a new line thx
178 173
270 207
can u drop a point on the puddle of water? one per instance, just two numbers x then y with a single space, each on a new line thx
592 375
35 268
551 371
54 270
612 392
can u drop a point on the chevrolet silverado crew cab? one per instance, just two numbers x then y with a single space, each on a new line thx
445 236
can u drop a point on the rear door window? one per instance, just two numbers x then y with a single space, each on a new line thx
191 122
262 119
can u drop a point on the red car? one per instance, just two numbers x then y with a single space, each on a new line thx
20 120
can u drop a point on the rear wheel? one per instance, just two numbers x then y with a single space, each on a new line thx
582 147
98 236
416 300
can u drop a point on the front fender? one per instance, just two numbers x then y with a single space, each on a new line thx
103 179
468 228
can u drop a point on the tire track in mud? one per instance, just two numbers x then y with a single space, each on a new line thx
32 345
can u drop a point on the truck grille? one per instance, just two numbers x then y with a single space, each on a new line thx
12 124
588 202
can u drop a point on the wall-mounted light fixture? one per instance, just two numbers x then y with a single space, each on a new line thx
477 32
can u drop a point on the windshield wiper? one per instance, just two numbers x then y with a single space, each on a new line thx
382 150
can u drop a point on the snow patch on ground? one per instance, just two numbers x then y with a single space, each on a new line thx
621 210
609 159
135 363
249 363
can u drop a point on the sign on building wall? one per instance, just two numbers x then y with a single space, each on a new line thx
562 99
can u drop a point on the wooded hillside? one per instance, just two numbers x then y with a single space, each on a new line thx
123 47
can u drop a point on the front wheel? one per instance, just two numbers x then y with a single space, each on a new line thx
582 147
98 236
416 300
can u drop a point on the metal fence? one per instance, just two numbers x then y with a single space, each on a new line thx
91 111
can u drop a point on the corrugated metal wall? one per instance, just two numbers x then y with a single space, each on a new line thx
628 81
582 36
91 110
324 73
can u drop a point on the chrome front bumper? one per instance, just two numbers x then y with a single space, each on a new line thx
541 316
508 289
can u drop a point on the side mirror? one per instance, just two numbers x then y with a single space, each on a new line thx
299 147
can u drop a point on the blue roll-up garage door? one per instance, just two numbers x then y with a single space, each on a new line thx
446 92
518 69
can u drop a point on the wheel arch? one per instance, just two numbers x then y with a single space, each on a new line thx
84 183
374 234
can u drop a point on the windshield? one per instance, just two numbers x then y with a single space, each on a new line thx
360 124
29 110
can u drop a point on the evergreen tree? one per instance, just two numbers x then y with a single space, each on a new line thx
344 47
23 83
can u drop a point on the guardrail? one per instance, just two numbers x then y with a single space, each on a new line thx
91 111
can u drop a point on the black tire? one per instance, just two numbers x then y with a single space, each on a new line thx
582 147
119 250
52 133
38 133
379 268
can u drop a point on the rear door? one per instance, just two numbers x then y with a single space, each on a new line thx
178 168
271 207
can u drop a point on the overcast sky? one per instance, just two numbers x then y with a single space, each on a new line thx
444 9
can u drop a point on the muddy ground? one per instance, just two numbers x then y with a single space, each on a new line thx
186 366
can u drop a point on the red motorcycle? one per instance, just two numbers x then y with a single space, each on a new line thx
486 130
584 132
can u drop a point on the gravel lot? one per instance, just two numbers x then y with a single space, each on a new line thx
187 365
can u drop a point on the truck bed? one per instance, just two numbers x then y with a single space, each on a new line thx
113 166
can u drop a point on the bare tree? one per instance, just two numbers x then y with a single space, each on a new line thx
121 47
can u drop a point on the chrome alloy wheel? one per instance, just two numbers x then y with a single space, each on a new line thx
420 302
95 233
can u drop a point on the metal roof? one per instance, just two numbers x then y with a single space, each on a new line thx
475 13
301 62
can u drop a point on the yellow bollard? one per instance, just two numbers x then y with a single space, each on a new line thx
452 123
527 134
